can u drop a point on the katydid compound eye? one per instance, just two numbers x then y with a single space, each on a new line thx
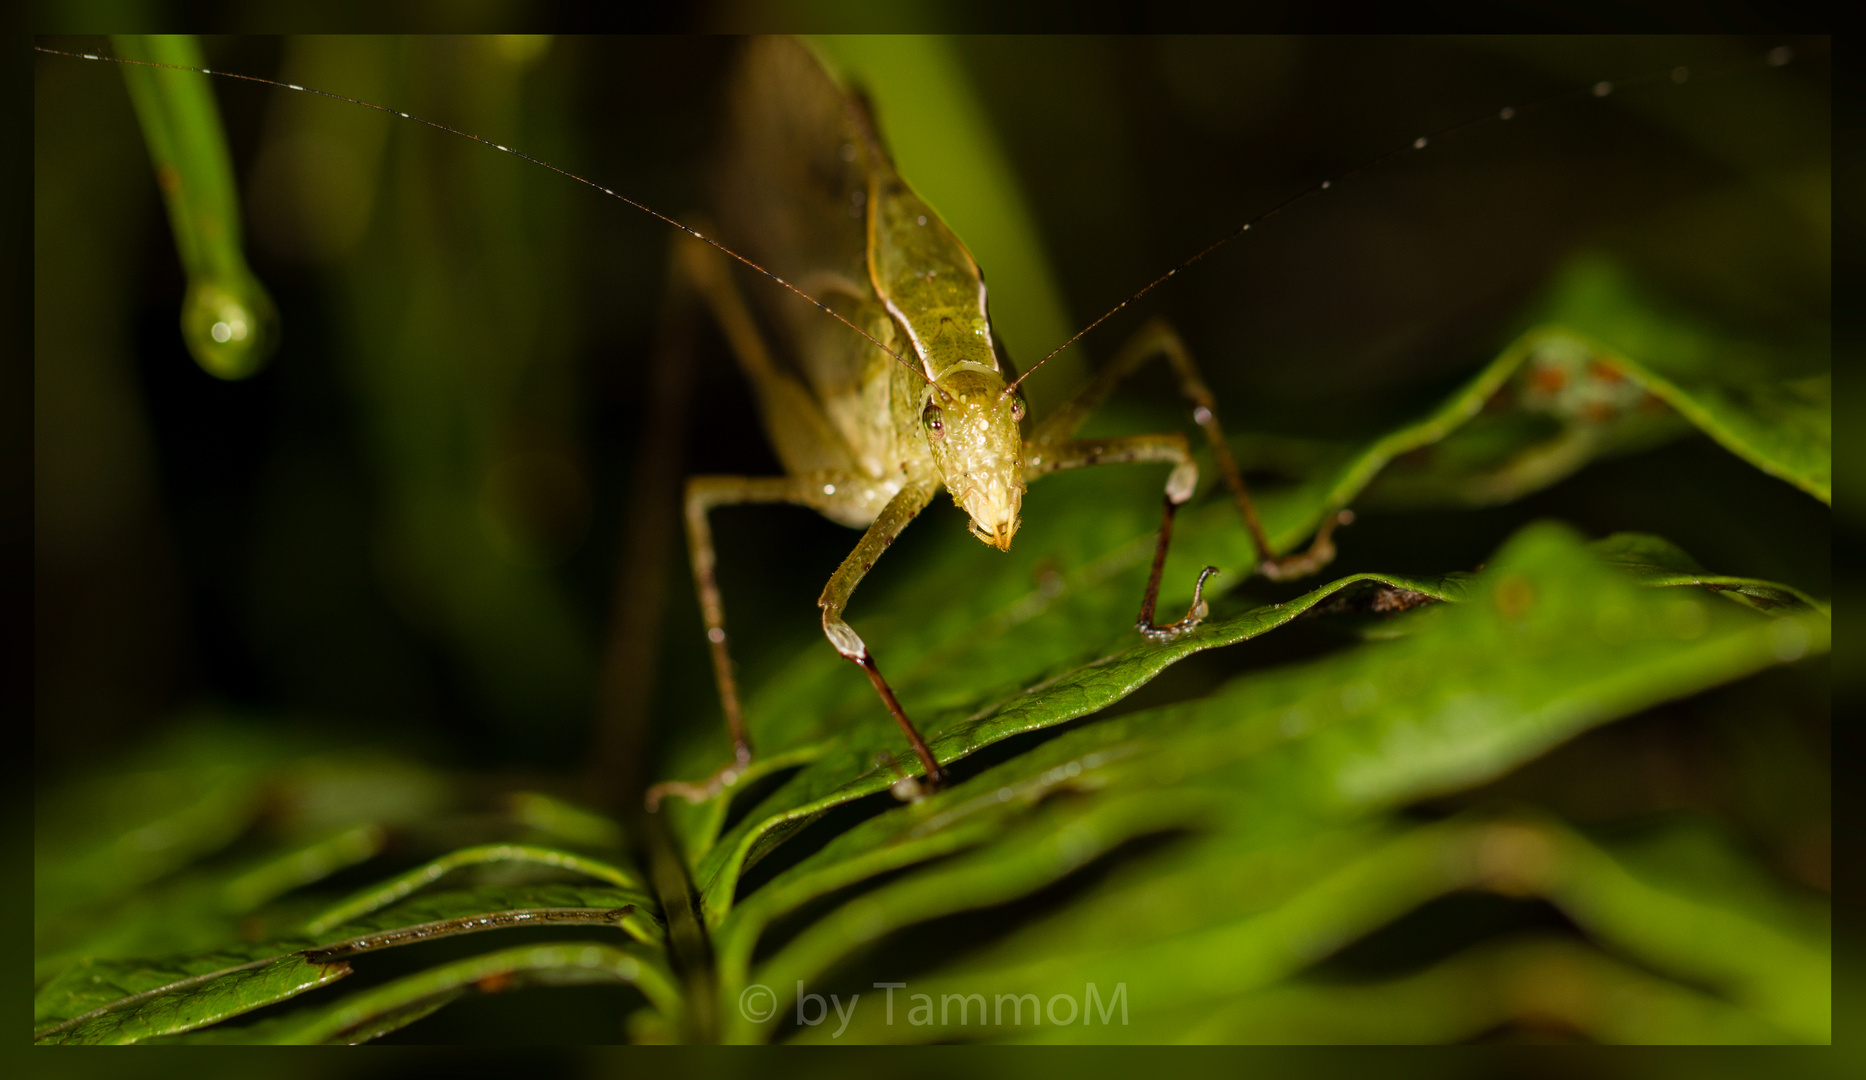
931 418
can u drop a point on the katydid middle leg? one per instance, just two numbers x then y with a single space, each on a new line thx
1051 449
1168 449
1158 338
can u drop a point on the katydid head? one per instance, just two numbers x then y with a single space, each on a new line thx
971 428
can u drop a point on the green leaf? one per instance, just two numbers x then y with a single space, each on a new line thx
456 906
388 892
202 910
1609 610
371 1013
1551 643
190 985
1232 917
844 769
118 853
1533 982
185 797
1734 933
1654 560
193 1000
1780 422
1605 371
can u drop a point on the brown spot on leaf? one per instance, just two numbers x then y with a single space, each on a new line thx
1548 379
494 983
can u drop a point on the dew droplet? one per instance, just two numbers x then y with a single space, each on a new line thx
1507 112
829 489
1780 55
1603 88
922 219
230 325
1419 143
1326 184
716 635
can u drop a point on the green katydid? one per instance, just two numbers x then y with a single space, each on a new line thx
919 397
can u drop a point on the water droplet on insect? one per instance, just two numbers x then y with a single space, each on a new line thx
1419 143
922 219
1680 74
1603 88
1507 112
222 332
1326 184
1780 55
716 635
1202 415
829 489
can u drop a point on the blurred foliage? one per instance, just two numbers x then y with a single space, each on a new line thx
1491 781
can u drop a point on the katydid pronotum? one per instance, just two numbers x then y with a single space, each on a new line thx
825 327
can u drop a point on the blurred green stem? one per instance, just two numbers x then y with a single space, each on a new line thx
227 319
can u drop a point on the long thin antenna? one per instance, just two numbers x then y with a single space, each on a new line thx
1775 57
643 207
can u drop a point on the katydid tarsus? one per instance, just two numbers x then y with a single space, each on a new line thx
907 393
